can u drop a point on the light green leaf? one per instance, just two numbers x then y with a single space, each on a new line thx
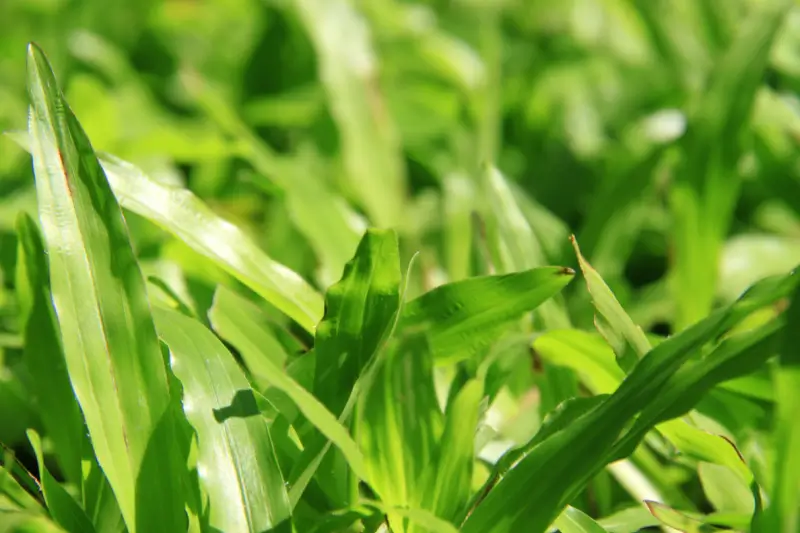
612 312
456 453
512 242
399 426
180 212
348 69
783 514
704 194
114 360
236 460
573 520
63 508
464 317
725 489
359 310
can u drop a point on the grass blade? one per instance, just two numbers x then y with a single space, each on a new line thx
65 510
115 363
704 195
399 426
236 461
43 355
464 317
184 215
783 513
348 69
359 309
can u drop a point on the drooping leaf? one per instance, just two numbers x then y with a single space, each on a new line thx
115 363
463 317
181 213
236 461
704 195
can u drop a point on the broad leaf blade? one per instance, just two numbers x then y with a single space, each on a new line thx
236 461
464 317
114 360
573 520
400 425
359 309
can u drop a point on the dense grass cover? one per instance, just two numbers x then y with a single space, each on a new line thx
331 265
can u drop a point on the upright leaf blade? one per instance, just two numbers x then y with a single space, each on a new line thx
114 360
236 461
43 354
359 309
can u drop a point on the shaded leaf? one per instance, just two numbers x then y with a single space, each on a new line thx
236 460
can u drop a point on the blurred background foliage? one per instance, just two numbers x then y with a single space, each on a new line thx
305 121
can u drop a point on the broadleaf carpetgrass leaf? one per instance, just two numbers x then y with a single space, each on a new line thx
359 310
574 520
236 460
44 358
463 317
114 360
181 213
399 426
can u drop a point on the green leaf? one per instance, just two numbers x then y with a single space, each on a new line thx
44 358
359 311
456 453
63 508
184 215
610 309
676 519
783 514
553 471
464 317
114 360
348 69
243 324
573 520
22 522
513 243
586 354
725 488
236 460
704 195
399 426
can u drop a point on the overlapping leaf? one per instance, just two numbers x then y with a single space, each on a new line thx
114 360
